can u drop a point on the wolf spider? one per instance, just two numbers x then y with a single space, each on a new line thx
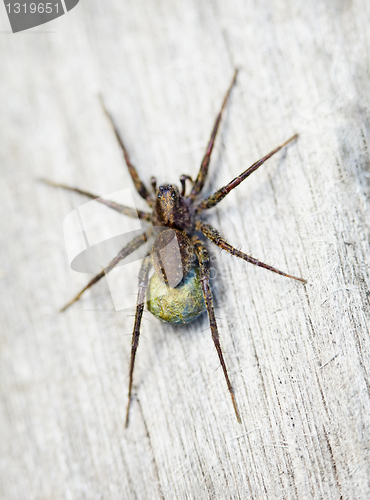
179 290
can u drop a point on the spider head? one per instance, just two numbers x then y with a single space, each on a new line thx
167 194
171 208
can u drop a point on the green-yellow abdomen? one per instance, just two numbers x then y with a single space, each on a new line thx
181 304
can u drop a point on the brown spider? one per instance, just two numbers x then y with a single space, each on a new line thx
179 290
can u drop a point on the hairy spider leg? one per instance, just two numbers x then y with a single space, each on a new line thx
130 212
139 185
219 195
204 264
212 234
199 181
126 250
143 285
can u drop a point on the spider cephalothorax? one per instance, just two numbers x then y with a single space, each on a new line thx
171 209
179 290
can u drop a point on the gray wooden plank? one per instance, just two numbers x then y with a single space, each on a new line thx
298 356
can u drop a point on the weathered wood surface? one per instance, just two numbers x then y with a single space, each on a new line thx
298 356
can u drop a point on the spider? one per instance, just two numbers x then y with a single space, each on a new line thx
179 290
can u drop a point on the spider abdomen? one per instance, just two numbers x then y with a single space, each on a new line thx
172 256
181 304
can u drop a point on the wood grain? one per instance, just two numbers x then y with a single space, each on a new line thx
298 355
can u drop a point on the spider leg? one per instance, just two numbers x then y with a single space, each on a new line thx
204 263
219 195
199 181
130 212
212 234
127 250
143 284
139 185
